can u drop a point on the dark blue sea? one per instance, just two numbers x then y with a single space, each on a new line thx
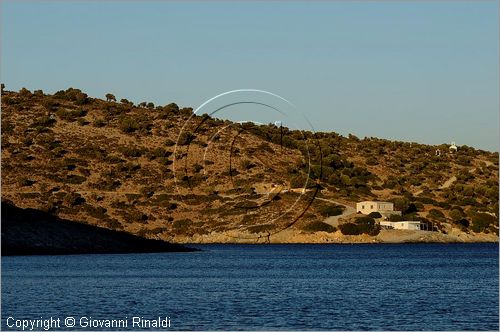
263 287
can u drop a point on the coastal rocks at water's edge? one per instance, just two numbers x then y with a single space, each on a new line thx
385 236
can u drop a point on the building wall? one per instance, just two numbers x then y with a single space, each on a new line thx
385 206
369 206
408 225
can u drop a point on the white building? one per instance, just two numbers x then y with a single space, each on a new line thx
408 225
453 148
368 207
384 208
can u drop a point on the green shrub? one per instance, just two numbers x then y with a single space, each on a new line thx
99 122
171 108
132 197
372 161
482 221
158 153
330 210
456 214
246 164
365 221
113 224
319 226
299 181
70 115
72 199
361 225
395 217
136 216
75 179
463 222
131 151
375 215
24 182
349 229
169 142
95 211
185 138
182 226
128 125
106 183
426 200
113 159
436 214
43 121
265 147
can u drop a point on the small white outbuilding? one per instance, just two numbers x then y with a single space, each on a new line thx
453 147
408 225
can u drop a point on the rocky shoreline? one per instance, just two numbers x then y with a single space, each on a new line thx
33 232
385 236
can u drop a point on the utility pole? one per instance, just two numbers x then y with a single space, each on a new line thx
281 134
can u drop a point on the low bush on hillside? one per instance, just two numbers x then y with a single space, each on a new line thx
70 115
181 226
107 184
113 224
131 151
99 122
395 217
362 225
75 95
158 153
330 210
372 161
43 121
349 229
95 211
185 138
375 215
72 199
24 182
128 125
481 222
436 214
319 226
463 223
247 164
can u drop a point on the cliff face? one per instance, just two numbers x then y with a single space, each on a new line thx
32 232
164 173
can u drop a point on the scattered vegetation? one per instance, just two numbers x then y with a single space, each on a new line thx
319 226
119 168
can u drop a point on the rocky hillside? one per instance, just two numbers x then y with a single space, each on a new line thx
162 172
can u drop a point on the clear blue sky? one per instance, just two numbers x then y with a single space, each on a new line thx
413 71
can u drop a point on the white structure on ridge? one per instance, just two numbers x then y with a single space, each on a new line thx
453 148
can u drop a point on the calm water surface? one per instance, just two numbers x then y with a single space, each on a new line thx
339 287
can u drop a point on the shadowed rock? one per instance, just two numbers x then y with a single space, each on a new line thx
33 232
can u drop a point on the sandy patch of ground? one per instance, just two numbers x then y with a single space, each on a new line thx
448 182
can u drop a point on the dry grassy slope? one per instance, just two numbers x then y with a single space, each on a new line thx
117 166
86 168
